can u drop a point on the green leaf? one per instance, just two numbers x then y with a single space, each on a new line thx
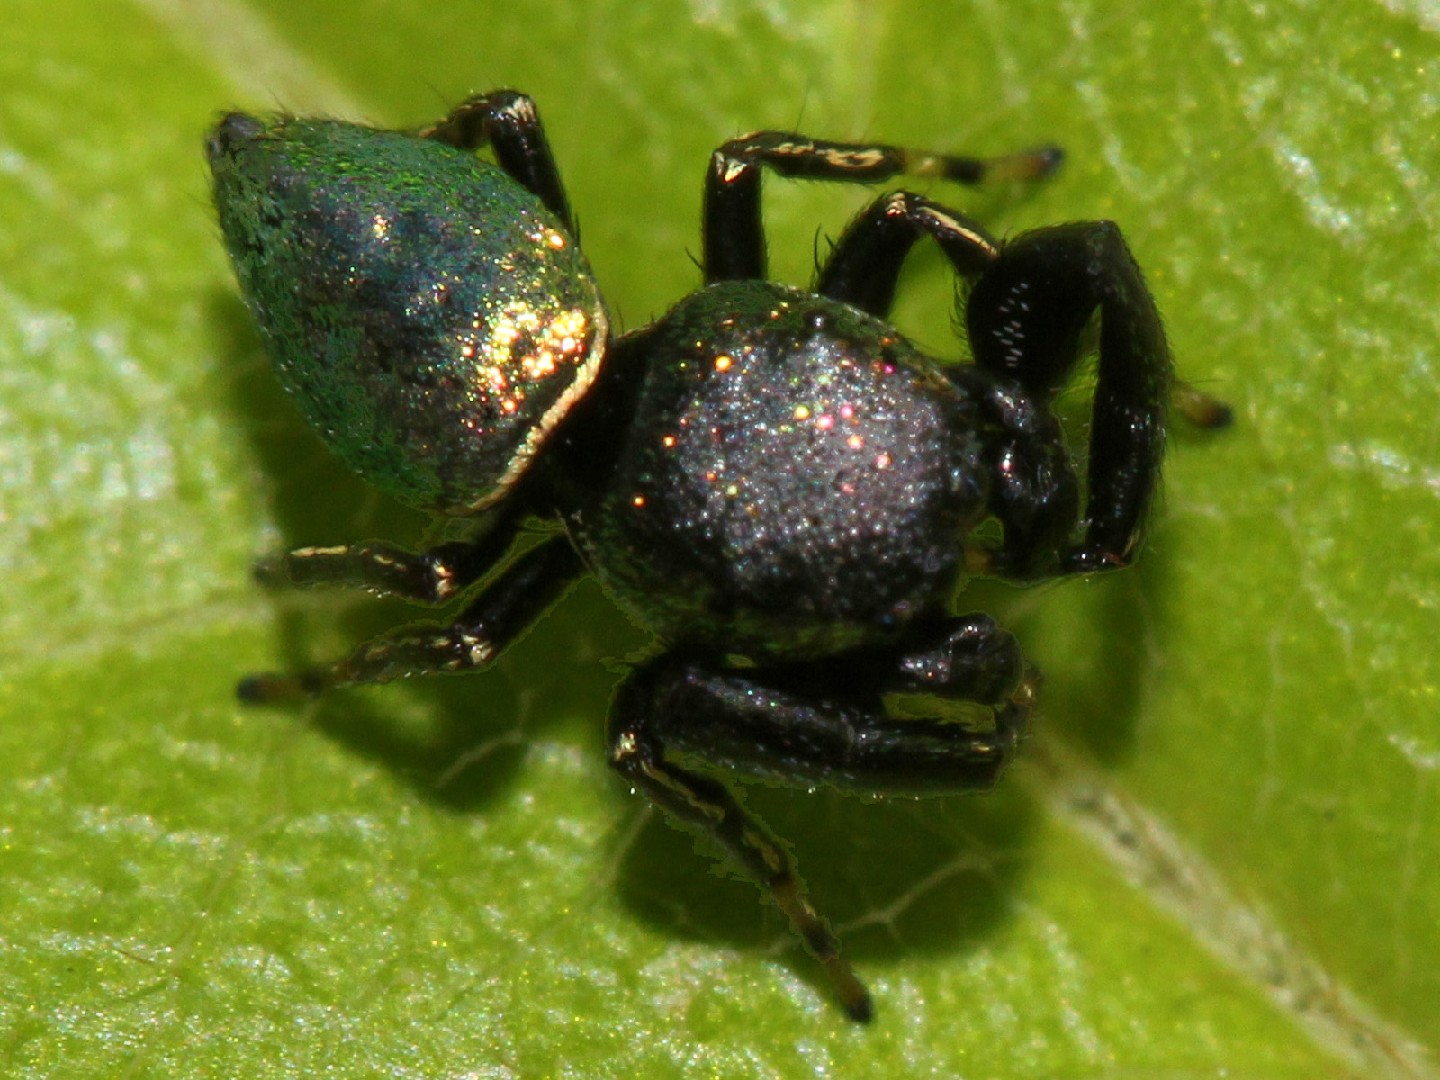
1218 856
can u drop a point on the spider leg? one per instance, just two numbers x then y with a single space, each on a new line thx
780 724
1026 315
509 122
864 266
734 236
504 610
432 576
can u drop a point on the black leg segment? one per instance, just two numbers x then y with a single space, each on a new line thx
1026 315
734 236
864 267
637 752
781 724
508 605
508 122
824 723
433 576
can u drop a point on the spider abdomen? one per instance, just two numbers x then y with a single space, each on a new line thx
431 318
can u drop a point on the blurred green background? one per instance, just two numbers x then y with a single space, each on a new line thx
1218 856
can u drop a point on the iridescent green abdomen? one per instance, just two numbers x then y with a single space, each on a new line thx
431 318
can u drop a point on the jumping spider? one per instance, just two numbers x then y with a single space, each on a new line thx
780 486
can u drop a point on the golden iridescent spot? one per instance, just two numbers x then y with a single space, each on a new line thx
667 441
516 347
569 327
380 226
637 501
723 362
802 412
539 365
